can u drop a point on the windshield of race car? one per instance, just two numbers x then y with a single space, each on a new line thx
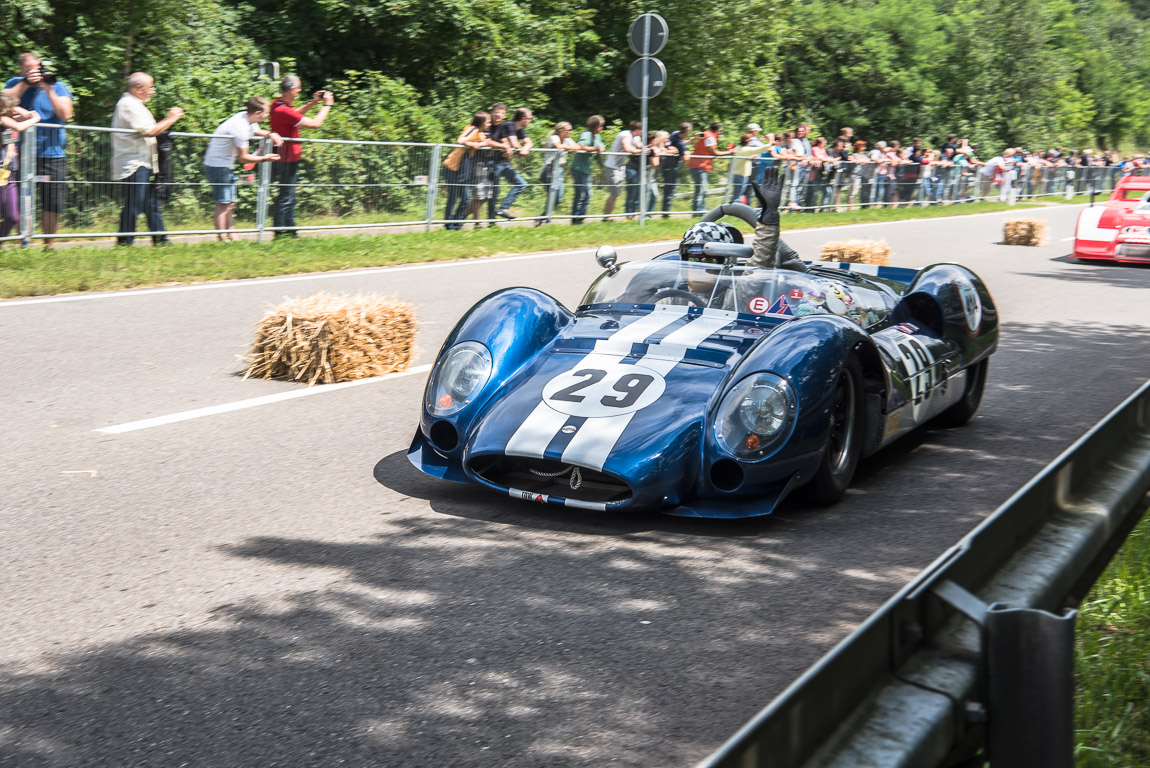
779 293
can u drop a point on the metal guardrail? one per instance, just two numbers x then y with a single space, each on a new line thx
345 184
921 682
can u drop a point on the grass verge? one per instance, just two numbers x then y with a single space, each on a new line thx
1112 663
38 272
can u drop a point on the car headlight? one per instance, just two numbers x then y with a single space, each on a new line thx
756 416
460 374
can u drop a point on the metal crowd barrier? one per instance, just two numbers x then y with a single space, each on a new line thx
373 184
972 660
844 184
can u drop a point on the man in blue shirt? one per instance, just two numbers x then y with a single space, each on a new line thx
53 102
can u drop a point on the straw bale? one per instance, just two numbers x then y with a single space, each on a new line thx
326 338
857 251
1024 232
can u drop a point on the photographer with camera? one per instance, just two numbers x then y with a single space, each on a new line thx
39 90
286 121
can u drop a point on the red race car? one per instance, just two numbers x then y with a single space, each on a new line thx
1119 229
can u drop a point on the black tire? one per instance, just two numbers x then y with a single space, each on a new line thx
844 438
964 410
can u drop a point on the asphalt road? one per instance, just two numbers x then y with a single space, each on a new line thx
277 586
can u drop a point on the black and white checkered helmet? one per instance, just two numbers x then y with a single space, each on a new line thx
704 232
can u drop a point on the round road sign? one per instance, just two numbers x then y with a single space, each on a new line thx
656 77
647 40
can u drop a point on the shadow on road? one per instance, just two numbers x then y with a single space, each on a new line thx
485 633
1106 272
477 503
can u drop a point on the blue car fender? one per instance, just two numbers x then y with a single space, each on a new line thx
809 353
515 324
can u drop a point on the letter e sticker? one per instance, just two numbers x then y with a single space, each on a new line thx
760 304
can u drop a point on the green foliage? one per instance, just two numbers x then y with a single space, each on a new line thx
19 20
1112 707
463 54
865 64
1003 72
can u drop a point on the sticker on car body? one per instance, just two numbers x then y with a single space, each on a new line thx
971 303
604 391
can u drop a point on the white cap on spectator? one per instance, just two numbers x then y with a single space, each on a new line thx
753 128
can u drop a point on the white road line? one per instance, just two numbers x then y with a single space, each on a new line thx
158 421
435 265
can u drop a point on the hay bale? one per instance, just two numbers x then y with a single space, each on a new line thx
328 338
1024 232
857 251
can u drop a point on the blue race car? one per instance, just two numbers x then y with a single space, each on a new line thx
707 387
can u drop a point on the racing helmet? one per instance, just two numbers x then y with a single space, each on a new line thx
706 232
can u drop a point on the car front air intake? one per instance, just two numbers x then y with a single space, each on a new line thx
550 478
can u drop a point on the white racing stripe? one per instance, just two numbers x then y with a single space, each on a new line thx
536 432
539 428
595 440
212 410
1088 228
592 444
619 343
673 348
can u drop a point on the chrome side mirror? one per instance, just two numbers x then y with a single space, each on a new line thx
606 256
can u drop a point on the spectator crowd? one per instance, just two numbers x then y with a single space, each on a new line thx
141 145
820 173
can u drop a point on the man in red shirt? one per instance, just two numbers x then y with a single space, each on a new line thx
286 120
702 162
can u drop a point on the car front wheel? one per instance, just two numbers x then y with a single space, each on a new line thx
844 437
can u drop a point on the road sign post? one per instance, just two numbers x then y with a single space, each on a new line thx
645 80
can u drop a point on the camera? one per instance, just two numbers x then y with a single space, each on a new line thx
46 73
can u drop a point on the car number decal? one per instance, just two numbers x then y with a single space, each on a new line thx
922 372
971 303
921 375
606 391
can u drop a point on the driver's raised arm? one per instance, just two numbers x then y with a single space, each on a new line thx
766 243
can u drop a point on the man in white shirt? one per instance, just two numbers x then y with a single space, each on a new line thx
231 141
996 173
134 156
615 167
